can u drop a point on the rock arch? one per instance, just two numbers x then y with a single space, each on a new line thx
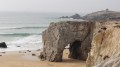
60 34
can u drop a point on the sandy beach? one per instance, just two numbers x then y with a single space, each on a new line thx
30 59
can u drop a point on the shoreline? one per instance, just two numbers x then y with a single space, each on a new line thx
30 59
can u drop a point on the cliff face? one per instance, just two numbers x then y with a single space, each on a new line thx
105 49
59 35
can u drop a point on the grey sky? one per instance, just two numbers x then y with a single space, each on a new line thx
83 6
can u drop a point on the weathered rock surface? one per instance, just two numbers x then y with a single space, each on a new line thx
3 45
58 35
105 49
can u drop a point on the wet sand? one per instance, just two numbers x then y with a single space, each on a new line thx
30 59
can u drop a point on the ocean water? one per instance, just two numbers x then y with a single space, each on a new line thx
24 29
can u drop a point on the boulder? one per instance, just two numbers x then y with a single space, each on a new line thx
3 45
105 46
58 35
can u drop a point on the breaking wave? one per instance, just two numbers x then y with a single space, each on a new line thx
19 34
31 42
28 40
23 27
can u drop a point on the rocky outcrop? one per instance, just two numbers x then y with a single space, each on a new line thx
3 45
105 49
75 16
58 35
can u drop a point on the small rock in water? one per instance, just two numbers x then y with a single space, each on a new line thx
3 45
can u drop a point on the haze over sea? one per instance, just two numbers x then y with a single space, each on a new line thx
24 29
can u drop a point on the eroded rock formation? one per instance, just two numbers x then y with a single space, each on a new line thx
105 49
58 35
98 42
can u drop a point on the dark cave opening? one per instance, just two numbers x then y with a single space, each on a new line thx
74 49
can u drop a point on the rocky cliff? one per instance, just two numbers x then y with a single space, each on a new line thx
105 49
98 42
58 35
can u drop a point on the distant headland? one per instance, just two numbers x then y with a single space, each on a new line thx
99 15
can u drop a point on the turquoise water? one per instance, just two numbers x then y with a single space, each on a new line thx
25 29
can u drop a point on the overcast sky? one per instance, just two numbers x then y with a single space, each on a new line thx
81 6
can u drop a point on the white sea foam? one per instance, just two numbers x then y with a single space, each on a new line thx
32 42
33 39
27 27
21 34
